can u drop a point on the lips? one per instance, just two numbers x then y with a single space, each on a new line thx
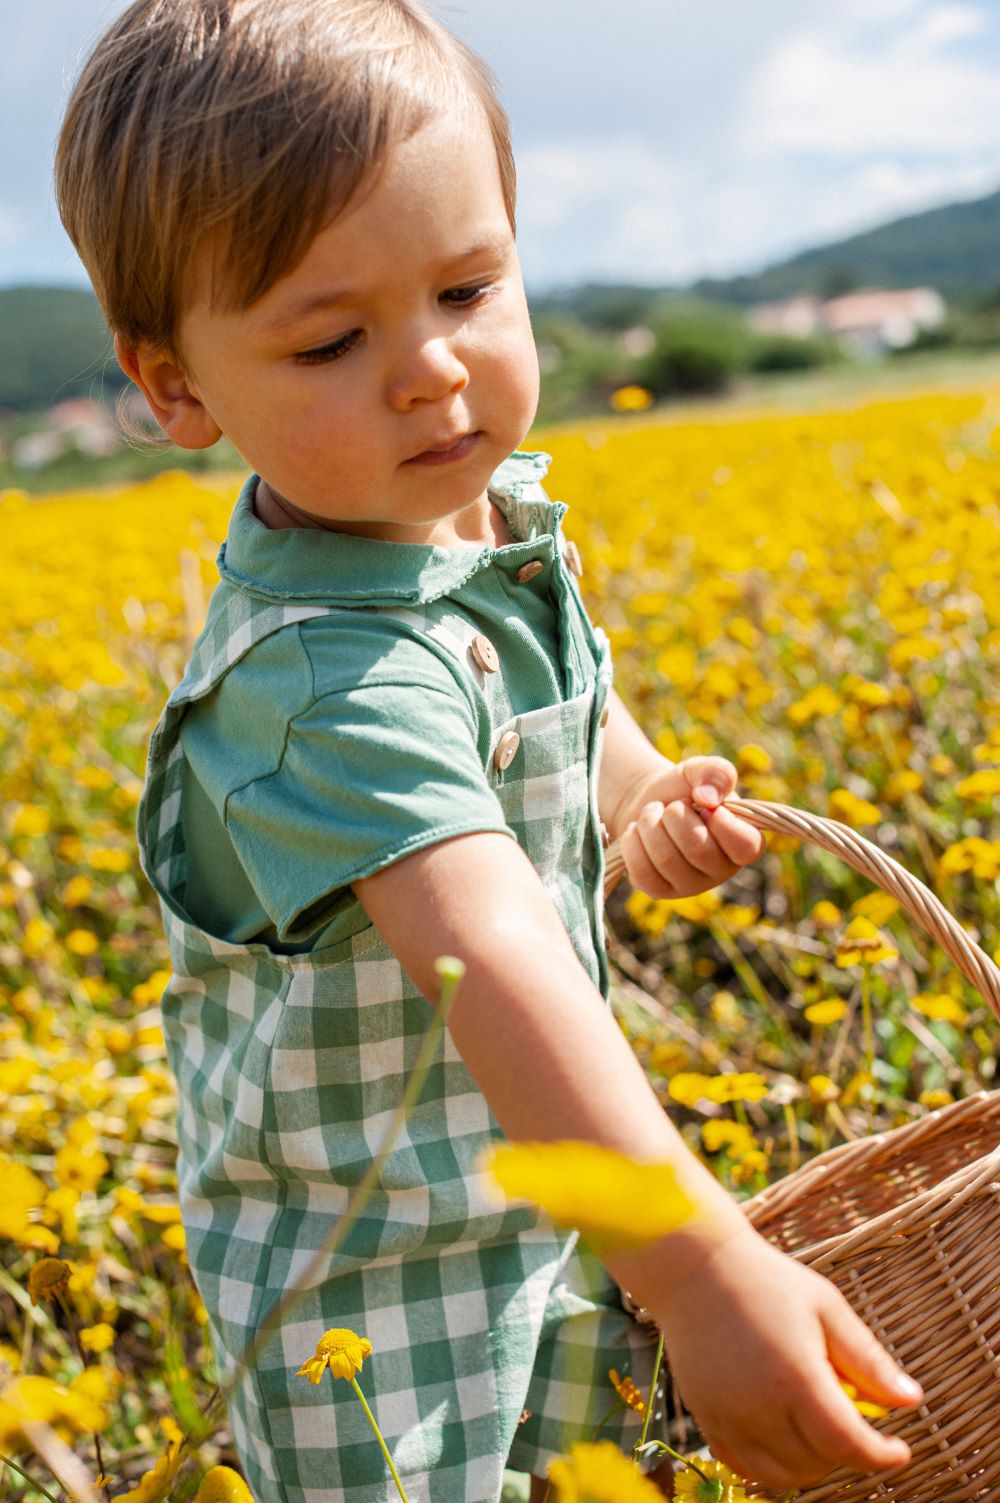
448 451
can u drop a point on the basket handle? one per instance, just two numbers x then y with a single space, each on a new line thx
840 840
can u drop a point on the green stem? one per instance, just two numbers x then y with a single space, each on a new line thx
28 1478
378 1436
866 1013
451 972
652 1391
684 1461
618 1404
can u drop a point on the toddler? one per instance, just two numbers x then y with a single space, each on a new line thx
396 739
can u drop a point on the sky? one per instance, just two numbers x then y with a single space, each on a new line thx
657 140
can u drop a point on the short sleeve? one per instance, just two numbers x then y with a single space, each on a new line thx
368 775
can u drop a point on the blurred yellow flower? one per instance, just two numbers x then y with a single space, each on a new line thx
935 1099
941 1008
631 399
822 1014
863 1406
97 1338
688 1087
980 787
222 1485
155 1485
826 914
862 944
340 1350
851 810
743 1085
21 1191
735 1137
614 1201
822 1090
598 1472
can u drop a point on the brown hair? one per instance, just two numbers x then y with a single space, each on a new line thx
245 125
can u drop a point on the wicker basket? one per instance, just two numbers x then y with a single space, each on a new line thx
907 1225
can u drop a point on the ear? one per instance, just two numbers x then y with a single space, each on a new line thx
172 398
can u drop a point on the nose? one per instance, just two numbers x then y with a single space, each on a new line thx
427 371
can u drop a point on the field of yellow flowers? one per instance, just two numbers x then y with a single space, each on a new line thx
813 596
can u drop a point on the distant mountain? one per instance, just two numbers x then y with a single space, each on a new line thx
955 249
53 344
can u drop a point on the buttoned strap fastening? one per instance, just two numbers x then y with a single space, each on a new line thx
506 750
574 562
604 717
529 571
485 653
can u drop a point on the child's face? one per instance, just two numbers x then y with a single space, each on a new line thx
380 383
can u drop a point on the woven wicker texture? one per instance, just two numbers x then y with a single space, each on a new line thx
907 1225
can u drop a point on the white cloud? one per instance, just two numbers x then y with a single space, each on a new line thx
828 88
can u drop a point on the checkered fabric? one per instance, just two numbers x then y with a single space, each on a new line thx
289 1068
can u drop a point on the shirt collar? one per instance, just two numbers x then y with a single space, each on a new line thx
339 568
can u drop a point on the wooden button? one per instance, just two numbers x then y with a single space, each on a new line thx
604 717
529 571
506 750
574 563
605 837
485 653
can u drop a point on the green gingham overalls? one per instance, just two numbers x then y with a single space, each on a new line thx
289 1067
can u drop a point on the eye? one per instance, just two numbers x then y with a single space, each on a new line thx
465 297
333 351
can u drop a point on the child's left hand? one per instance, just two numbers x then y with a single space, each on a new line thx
678 841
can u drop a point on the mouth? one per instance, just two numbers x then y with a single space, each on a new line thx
447 452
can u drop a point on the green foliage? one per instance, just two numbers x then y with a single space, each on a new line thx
787 352
698 349
54 344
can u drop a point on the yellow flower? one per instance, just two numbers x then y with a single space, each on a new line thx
688 1087
627 1391
631 399
980 786
155 1485
879 907
81 942
614 1201
826 914
341 1351
735 1137
97 1338
941 1008
851 810
862 944
863 1406
719 1484
934 1100
34 1398
222 1485
822 1014
818 702
743 1085
598 1473
822 1090
47 1278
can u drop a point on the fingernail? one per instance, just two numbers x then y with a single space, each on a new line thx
708 795
629 828
908 1387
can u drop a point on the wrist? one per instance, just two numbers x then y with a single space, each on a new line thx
654 1276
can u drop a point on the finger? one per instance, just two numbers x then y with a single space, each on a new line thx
861 1358
652 861
739 841
694 837
757 1463
710 772
681 849
841 1434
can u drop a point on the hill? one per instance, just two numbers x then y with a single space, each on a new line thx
955 249
53 344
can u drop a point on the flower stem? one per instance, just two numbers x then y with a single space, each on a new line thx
618 1404
29 1478
378 1436
652 1392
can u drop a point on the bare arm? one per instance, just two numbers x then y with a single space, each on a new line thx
752 1335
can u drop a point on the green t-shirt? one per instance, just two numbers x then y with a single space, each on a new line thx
342 743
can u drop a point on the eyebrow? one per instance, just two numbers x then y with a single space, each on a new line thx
332 297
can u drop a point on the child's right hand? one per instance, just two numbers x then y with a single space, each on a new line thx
756 1342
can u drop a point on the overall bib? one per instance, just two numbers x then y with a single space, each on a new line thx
289 1068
